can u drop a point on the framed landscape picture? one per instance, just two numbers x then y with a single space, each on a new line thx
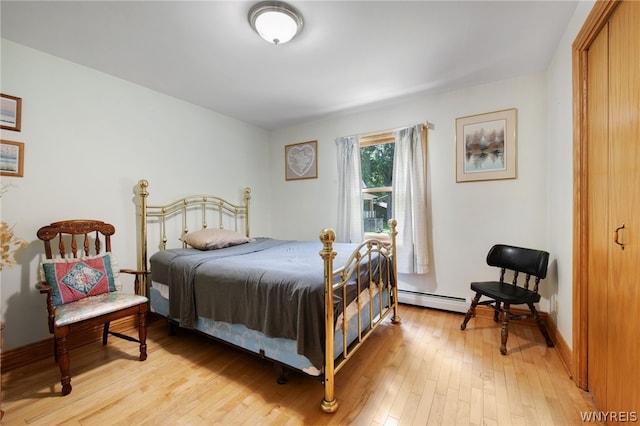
486 146
11 158
10 112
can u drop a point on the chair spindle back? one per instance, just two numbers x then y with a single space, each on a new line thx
519 260
72 229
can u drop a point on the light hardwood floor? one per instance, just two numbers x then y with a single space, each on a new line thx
424 371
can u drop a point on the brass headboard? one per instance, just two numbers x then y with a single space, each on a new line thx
203 207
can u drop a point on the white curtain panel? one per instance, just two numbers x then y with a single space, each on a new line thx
410 201
350 225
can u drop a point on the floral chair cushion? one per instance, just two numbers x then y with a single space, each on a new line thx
94 306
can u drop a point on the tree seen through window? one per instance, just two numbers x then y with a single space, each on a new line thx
376 162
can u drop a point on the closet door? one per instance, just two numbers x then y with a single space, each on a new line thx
623 377
598 212
613 151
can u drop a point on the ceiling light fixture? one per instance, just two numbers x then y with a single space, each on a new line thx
277 22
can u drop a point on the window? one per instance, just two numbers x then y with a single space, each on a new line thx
376 168
364 167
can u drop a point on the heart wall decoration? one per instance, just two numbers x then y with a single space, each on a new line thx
301 160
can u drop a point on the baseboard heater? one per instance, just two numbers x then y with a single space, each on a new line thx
436 301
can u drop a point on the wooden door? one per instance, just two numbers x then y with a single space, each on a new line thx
623 372
598 213
613 203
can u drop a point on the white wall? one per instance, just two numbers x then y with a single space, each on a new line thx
95 136
534 210
560 179
466 218
89 138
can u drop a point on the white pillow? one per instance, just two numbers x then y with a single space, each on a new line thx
211 239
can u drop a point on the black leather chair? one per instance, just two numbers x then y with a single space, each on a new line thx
503 295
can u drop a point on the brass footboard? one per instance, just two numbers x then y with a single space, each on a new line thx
386 284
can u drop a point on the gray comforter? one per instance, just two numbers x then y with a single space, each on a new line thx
273 286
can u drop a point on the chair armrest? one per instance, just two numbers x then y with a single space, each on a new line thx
133 271
44 287
136 282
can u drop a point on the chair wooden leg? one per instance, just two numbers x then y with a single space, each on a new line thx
142 334
504 333
64 362
105 333
496 311
471 312
55 349
541 326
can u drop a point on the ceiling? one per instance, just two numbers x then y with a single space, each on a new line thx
350 54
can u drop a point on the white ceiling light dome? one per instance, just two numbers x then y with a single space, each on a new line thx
277 22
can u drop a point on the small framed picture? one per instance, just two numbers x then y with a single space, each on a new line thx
301 160
486 146
10 112
11 158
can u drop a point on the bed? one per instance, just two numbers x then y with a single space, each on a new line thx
305 305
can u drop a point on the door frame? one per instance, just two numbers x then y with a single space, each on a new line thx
597 18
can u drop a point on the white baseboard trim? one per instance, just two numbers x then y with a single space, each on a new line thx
446 303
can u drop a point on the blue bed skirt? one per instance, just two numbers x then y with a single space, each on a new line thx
283 351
